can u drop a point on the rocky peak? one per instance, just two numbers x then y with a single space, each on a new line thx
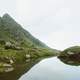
6 15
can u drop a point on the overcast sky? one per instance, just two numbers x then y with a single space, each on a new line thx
55 22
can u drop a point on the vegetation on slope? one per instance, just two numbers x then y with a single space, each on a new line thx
18 45
12 31
71 56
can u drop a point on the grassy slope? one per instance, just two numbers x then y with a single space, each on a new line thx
20 55
11 31
15 32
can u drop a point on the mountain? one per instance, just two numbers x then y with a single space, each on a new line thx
18 45
10 30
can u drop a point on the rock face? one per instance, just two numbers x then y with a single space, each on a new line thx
71 56
9 45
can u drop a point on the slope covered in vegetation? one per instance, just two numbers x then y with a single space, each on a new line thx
17 45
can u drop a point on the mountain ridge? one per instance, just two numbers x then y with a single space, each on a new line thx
12 27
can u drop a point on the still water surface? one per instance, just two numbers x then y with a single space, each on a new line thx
52 69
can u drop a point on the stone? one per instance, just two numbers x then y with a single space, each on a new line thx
70 53
11 61
28 56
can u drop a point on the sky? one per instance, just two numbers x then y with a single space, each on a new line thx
54 22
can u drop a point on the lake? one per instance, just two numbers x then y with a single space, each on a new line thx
52 69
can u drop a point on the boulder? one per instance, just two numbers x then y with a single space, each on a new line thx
9 45
28 56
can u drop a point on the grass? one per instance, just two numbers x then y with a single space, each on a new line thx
20 55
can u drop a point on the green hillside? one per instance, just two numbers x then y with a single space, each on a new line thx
17 45
10 30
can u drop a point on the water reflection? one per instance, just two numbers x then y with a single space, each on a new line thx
19 70
52 69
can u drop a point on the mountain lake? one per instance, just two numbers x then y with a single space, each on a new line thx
52 69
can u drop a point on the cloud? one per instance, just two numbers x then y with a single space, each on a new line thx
55 22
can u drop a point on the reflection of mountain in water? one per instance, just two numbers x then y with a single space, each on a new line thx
52 69
71 56
19 70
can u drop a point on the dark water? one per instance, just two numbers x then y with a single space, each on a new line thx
52 69
19 70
